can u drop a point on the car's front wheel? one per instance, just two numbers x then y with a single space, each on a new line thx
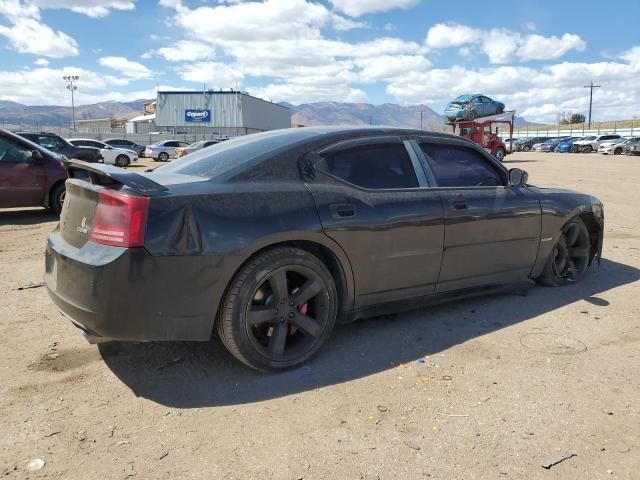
587 149
569 258
163 157
279 310
526 148
617 151
500 153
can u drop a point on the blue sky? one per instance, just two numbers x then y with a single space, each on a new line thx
535 56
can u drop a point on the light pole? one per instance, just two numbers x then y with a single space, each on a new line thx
70 79
420 119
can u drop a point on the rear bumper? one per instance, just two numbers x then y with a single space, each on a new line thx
114 293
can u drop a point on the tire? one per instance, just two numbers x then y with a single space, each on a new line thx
617 151
163 156
526 148
587 149
56 198
500 153
122 161
472 115
569 259
287 332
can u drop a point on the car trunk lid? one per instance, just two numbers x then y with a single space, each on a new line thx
104 204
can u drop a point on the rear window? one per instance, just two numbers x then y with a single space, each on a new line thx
226 156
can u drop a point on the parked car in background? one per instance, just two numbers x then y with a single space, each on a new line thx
195 146
566 145
164 150
592 142
30 175
110 155
272 238
127 145
551 144
470 107
614 147
632 147
527 144
59 145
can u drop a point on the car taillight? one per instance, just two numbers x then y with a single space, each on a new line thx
120 220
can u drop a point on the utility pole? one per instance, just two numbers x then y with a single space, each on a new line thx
70 79
591 87
369 119
420 119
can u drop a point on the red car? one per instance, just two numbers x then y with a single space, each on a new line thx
30 176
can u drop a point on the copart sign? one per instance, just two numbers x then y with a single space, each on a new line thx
197 116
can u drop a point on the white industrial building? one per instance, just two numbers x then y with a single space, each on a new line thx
209 112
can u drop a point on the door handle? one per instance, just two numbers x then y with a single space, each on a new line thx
342 210
458 202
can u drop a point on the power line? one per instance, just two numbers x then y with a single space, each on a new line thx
591 87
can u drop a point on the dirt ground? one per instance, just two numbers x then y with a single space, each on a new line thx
486 388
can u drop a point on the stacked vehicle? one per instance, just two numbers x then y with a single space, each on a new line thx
473 116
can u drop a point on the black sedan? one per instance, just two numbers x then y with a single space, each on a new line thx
271 238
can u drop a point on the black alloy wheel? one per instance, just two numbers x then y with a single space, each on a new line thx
279 310
569 258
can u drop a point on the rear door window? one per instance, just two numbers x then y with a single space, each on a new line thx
11 152
375 166
457 166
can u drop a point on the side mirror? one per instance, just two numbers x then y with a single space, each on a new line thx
36 156
518 177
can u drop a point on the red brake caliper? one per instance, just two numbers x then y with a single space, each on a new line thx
303 310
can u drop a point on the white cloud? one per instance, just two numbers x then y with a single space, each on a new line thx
215 75
126 67
91 8
29 35
539 94
502 45
184 51
42 62
452 35
356 8
27 86
538 47
298 93
387 66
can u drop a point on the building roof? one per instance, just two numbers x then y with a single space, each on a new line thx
143 118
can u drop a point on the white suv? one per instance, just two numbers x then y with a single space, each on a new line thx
592 143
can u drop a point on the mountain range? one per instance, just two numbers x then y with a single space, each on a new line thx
307 114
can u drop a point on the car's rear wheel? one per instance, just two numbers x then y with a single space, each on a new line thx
569 258
163 157
56 200
122 161
279 310
500 153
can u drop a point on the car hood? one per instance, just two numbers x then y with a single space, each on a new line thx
579 198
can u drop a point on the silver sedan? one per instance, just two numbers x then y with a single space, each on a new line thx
164 150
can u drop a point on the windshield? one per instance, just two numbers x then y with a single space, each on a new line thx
223 157
463 98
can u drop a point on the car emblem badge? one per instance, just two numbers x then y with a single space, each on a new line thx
83 226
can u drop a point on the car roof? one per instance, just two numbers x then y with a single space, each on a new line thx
86 140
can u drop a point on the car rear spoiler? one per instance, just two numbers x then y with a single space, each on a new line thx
101 174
